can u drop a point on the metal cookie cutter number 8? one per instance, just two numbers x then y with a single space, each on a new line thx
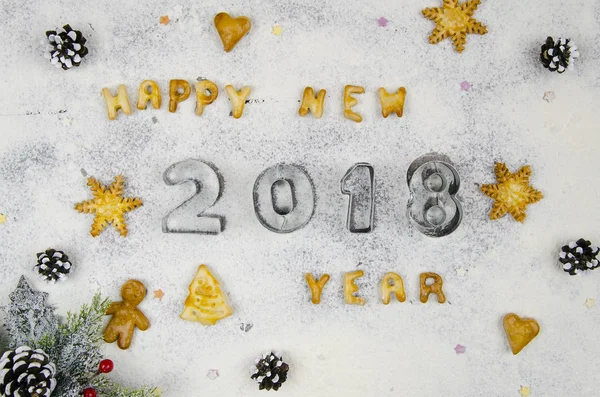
433 183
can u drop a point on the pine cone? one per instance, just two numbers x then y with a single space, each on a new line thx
26 373
580 255
66 47
270 372
53 265
558 56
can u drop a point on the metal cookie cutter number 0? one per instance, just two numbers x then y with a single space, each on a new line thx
284 198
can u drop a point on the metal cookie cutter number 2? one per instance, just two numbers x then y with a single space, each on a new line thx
433 183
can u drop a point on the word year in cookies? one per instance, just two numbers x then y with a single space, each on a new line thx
391 285
284 197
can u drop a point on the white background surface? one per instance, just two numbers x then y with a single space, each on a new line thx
404 349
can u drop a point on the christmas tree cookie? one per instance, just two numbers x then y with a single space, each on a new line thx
206 302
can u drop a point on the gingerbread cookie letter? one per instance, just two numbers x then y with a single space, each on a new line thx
392 102
152 95
125 315
435 288
238 99
350 288
205 302
113 104
309 102
316 287
179 91
206 93
392 282
350 101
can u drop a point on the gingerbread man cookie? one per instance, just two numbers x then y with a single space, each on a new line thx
126 316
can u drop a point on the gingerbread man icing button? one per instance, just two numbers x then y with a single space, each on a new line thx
126 316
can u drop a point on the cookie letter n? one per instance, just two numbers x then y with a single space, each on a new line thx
309 102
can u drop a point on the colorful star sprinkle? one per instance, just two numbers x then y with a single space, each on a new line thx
212 374
108 205
512 193
466 86
454 21
590 302
277 30
461 271
549 96
158 294
460 349
382 22
525 391
164 20
2 218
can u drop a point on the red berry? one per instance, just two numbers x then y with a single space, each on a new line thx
106 366
89 392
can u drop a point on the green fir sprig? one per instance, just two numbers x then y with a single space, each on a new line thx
107 388
76 350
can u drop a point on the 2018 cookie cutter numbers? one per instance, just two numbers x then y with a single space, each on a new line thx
284 197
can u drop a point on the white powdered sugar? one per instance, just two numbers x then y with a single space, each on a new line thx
332 348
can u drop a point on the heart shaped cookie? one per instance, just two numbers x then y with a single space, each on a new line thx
231 30
520 331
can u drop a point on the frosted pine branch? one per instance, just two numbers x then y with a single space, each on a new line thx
107 388
28 318
76 352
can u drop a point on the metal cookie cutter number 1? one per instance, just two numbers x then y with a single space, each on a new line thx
433 208
359 184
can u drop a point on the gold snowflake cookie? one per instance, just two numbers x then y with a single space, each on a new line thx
512 193
108 205
454 21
